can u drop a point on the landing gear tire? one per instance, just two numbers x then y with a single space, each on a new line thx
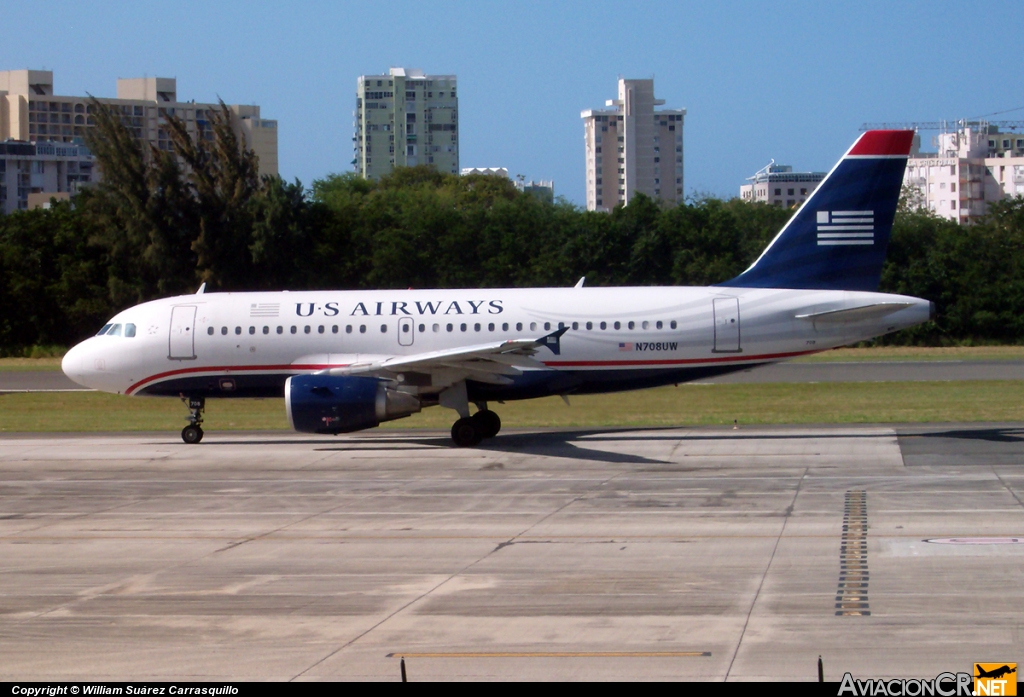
488 422
191 434
466 433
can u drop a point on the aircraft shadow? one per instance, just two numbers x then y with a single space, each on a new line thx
992 435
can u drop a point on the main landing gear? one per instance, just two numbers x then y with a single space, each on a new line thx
193 433
469 431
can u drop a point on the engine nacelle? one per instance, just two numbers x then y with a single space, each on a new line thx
329 404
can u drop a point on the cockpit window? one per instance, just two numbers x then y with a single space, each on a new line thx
103 331
129 330
115 330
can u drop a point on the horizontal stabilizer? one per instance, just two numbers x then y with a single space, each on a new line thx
855 314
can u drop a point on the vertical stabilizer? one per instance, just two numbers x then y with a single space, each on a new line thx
838 238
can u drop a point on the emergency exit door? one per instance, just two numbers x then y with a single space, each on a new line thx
406 331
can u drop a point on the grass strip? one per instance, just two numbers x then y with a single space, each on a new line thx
685 405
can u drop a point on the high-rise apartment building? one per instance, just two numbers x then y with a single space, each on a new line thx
975 165
404 119
632 148
31 112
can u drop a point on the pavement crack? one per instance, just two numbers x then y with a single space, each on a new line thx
511 541
767 568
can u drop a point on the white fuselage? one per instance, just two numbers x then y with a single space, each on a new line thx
247 344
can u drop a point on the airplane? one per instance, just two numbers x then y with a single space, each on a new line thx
349 360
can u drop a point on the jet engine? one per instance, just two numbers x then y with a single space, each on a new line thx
329 404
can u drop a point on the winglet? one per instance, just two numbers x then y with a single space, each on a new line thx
579 283
202 289
553 340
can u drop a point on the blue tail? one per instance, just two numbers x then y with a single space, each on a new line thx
837 240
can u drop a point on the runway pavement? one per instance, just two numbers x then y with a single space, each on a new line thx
17 381
655 554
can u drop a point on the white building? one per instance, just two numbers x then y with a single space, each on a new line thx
779 185
973 166
633 149
30 173
404 119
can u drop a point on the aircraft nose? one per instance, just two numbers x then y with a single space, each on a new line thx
72 364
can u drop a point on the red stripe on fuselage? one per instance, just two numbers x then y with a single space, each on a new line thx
290 367
306 367
678 361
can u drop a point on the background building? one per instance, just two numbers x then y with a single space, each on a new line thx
779 185
31 112
543 190
633 149
975 165
404 119
33 172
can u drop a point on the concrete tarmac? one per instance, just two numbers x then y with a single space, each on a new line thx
653 554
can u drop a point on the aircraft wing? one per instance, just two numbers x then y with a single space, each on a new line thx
493 362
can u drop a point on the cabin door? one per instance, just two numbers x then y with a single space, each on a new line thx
727 325
182 341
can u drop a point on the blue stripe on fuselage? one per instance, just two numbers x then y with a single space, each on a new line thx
529 385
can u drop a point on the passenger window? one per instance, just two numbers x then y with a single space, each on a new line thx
533 326
129 330
266 329
104 330
462 327
450 327
334 329
504 327
210 331
252 330
115 330
658 324
423 328
575 326
547 326
348 328
238 331
280 330
362 328
383 329
436 328
320 329
590 325
604 325
672 324
476 327
631 325
519 326
294 329
490 327
224 331
618 325
306 329
646 324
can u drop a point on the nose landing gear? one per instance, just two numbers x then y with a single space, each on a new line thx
193 433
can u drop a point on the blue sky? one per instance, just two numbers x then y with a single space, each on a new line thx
791 81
